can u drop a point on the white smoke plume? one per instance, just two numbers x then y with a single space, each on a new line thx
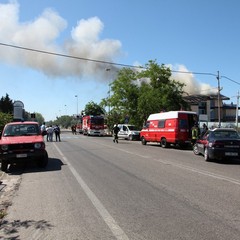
192 86
42 34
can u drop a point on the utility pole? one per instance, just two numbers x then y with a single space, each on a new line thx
219 101
237 111
109 93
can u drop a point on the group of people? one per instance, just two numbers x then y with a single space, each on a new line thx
49 131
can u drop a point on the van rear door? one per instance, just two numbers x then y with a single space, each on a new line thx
183 127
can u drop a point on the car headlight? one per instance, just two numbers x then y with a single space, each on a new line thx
37 145
4 147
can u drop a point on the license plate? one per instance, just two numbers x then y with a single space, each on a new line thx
21 155
231 154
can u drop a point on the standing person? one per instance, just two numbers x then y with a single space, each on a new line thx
57 133
195 133
43 129
74 129
50 133
205 128
115 131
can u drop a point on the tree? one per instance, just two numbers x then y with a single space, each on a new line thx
161 93
6 104
4 119
92 108
65 121
135 95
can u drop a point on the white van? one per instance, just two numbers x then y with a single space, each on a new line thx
128 132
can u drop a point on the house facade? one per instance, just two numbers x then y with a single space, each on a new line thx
210 107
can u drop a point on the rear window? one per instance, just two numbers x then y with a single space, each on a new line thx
225 134
183 123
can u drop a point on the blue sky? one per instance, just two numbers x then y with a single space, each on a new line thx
189 36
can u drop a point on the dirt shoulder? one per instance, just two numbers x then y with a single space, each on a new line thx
8 187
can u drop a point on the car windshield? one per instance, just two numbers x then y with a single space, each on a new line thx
225 134
21 130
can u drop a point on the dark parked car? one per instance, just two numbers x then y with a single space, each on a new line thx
218 143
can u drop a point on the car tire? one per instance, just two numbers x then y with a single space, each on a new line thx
164 143
43 162
195 149
206 155
4 166
143 140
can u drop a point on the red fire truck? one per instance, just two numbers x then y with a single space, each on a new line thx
167 128
93 125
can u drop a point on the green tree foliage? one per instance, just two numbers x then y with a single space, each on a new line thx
93 109
159 92
137 94
6 104
65 121
4 119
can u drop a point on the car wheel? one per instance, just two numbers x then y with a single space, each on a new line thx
164 143
4 166
43 161
143 140
206 155
195 149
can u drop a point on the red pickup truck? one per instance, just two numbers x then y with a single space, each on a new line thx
22 141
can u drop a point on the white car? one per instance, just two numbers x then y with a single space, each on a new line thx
128 132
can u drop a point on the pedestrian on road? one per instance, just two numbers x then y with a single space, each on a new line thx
50 133
57 133
195 133
115 131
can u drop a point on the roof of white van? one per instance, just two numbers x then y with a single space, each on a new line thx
163 115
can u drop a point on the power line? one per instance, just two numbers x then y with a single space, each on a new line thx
196 73
107 62
230 80
69 56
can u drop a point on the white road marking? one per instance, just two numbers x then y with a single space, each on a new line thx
109 220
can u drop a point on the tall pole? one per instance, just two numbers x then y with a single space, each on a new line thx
219 108
77 103
237 110
109 93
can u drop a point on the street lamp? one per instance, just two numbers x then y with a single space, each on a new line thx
77 103
65 109
109 93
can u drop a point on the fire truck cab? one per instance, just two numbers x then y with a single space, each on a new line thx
93 125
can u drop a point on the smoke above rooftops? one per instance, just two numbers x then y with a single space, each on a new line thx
192 86
42 34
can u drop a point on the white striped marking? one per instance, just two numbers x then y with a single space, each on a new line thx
109 220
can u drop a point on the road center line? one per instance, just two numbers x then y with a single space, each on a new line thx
109 220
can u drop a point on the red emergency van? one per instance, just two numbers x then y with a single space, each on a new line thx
93 125
167 128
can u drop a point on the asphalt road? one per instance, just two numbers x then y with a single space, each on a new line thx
95 189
